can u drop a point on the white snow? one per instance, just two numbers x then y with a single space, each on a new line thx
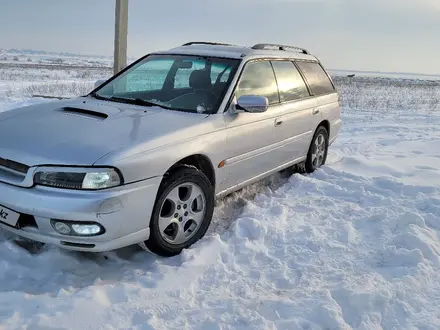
353 246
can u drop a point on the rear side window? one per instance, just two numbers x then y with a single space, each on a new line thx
290 83
316 77
258 78
181 79
220 73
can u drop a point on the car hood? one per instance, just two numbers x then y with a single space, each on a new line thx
80 131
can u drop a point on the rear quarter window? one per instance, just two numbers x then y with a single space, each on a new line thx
316 77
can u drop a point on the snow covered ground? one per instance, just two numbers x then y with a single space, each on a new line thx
355 245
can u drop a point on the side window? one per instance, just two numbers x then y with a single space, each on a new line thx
316 77
290 83
181 79
258 79
217 70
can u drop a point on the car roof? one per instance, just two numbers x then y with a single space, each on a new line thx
241 52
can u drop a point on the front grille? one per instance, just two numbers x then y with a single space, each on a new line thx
18 167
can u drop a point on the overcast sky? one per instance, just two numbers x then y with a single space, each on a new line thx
375 35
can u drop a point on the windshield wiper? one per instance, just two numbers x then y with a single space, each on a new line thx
96 96
136 101
148 103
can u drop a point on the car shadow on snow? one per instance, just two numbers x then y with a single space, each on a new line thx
38 269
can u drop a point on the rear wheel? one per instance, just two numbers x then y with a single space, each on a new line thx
182 212
317 154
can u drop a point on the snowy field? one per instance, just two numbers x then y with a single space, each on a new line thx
356 245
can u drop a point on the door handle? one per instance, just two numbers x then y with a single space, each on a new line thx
316 111
278 122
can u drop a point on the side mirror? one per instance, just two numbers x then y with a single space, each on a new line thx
252 103
99 83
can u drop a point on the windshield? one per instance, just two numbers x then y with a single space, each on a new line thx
179 82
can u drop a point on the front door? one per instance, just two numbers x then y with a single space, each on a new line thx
253 140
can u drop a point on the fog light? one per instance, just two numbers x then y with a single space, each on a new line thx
73 228
85 230
62 228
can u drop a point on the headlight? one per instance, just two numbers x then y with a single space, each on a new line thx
78 178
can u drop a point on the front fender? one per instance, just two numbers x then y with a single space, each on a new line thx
155 162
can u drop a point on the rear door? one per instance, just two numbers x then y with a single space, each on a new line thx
297 107
325 93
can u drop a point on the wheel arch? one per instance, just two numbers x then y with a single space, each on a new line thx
199 161
326 124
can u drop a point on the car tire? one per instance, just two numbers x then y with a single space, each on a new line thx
182 211
317 154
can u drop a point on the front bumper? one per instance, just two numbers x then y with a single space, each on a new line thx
124 212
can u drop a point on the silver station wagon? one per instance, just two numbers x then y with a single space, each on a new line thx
142 158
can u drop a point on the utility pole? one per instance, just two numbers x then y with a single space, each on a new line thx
121 31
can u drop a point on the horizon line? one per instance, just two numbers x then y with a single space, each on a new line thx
137 57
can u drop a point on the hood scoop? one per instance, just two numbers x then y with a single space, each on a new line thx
85 113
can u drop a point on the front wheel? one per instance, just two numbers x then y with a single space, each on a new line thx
317 153
182 212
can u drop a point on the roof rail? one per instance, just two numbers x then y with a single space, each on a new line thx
281 47
205 43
